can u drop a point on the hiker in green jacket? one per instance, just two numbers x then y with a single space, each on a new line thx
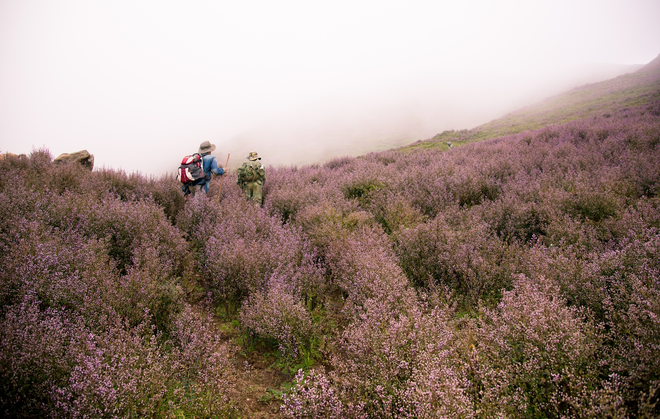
251 178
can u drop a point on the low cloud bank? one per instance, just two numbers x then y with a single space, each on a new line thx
361 122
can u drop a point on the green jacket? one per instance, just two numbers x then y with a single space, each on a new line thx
251 171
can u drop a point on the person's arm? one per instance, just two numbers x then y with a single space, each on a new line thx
215 168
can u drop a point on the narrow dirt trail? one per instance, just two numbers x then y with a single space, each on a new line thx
255 385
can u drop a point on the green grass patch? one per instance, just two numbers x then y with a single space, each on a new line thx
598 99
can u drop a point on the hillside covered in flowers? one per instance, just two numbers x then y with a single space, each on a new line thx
514 276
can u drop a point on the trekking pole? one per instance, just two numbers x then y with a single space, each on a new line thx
223 178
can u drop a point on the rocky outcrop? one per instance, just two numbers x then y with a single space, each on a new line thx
82 157
7 156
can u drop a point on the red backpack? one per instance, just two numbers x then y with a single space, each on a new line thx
191 168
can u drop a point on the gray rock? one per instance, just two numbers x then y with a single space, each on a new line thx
82 157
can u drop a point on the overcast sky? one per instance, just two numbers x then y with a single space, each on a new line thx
141 83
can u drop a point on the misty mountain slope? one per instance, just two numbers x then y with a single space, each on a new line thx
515 277
590 100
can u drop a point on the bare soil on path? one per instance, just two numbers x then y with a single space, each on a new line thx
255 385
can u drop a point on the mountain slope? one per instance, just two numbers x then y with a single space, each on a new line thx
602 98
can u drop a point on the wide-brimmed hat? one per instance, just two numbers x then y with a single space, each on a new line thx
253 156
206 147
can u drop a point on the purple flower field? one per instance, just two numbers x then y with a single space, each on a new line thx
513 277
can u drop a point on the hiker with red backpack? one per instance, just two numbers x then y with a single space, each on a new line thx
195 170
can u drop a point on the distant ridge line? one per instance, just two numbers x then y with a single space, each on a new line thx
598 99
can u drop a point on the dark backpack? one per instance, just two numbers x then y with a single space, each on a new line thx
248 173
191 169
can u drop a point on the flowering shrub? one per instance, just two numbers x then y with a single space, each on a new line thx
196 220
467 258
34 356
52 363
535 356
92 320
201 366
277 314
122 372
325 223
249 246
129 373
388 365
513 219
290 191
67 177
424 182
364 268
60 269
400 365
313 396
129 225
395 213
630 275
